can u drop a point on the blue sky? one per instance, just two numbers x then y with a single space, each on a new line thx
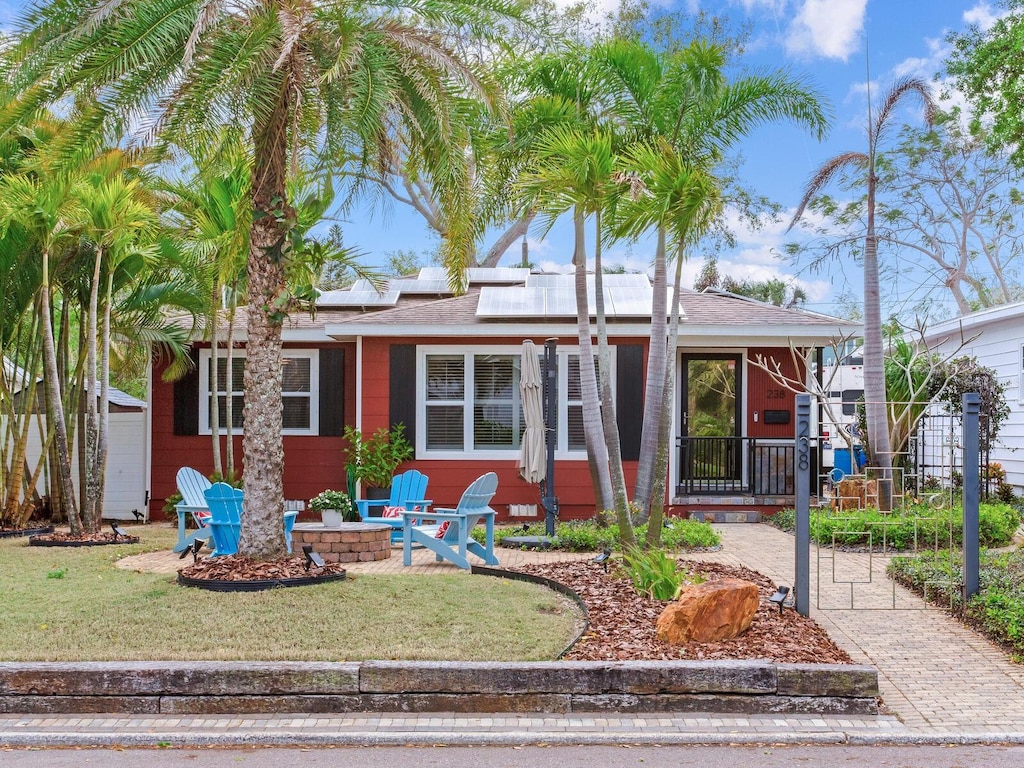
825 40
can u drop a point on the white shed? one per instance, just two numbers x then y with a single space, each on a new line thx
995 337
127 465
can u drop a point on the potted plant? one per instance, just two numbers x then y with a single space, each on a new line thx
333 506
374 459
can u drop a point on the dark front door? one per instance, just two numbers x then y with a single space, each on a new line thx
711 456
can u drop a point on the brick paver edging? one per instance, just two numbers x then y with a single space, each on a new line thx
745 687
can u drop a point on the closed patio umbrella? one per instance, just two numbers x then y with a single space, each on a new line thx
532 457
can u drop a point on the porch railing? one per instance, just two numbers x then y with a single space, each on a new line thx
734 465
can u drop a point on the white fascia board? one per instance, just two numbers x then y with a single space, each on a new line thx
301 336
690 334
982 317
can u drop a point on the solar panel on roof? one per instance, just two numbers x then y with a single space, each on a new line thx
419 286
628 301
549 280
353 298
480 275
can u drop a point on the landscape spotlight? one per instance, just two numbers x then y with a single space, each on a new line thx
312 558
780 597
603 559
118 530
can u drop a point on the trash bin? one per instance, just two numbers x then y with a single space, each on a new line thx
843 460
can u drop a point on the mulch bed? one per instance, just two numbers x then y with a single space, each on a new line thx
11 533
238 568
622 623
63 539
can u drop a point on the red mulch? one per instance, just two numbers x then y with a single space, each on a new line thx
63 537
238 568
622 623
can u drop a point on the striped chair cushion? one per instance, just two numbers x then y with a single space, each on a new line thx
396 511
441 529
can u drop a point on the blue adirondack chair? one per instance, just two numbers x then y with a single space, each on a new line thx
191 485
225 520
448 536
407 492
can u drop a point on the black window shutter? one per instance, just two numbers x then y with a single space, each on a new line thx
629 398
403 388
332 392
186 399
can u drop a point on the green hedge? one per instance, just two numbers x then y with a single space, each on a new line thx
997 609
587 536
916 525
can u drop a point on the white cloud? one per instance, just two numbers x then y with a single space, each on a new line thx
827 28
982 15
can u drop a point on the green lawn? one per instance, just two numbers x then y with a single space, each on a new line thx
73 604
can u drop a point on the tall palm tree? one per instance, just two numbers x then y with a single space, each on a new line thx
119 223
328 84
879 443
43 206
682 104
574 171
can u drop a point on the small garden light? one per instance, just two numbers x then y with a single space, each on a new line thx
119 532
780 597
603 559
312 558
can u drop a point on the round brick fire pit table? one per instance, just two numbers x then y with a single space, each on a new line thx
346 543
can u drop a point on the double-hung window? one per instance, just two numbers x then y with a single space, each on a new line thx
471 403
299 398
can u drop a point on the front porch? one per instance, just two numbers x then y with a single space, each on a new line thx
733 479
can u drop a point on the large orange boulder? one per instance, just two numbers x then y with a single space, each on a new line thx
714 610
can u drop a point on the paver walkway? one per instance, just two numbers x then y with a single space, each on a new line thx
940 682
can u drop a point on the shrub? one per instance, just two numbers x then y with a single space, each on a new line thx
587 536
915 526
655 574
997 609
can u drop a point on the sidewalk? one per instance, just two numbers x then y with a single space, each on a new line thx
940 682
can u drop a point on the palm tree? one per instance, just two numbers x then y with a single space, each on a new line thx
574 170
878 441
119 223
44 207
689 116
328 84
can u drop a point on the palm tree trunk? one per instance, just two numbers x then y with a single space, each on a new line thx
218 465
55 407
104 441
90 444
262 534
597 451
657 359
874 361
229 403
608 421
657 516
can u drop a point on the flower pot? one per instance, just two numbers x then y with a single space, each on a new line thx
378 494
332 518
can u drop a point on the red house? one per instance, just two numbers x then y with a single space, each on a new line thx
447 367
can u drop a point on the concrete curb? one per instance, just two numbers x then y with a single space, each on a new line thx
184 688
184 739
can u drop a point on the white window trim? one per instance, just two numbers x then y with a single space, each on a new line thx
313 355
422 351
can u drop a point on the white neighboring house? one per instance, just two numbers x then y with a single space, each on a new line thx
999 345
127 486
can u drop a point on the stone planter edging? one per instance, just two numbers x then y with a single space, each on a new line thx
741 687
